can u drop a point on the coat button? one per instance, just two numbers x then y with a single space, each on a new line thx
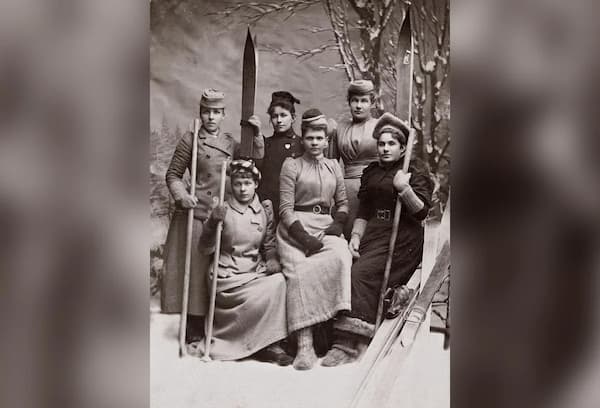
259 228
209 175
208 156
254 258
209 192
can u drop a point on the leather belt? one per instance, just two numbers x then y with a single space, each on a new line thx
315 209
385 215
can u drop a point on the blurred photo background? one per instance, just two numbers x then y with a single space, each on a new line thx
74 146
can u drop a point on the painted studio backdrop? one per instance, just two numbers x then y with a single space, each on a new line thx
313 49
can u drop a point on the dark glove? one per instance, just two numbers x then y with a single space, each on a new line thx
309 243
337 226
217 215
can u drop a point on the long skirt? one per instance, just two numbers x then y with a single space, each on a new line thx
367 271
247 318
318 286
172 278
352 187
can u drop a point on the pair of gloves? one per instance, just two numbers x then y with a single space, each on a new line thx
218 215
311 244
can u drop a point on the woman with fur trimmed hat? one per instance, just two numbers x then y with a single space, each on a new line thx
283 144
352 142
316 260
381 183
214 146
250 305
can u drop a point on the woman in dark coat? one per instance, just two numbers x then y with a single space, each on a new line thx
381 183
214 146
283 144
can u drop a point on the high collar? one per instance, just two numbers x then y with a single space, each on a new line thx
391 166
254 205
288 133
309 158
203 133
361 122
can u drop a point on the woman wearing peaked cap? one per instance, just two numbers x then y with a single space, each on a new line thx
283 144
352 142
250 303
316 260
214 146
381 183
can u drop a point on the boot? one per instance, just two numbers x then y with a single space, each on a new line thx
343 351
274 354
306 357
194 328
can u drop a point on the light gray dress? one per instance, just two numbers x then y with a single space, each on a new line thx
318 286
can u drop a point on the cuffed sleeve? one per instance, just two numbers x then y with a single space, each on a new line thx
341 200
258 152
411 201
269 244
287 192
359 227
182 157
258 149
207 240
422 186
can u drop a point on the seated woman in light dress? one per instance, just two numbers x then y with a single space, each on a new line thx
315 258
250 305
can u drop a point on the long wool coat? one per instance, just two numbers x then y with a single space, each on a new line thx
211 153
250 306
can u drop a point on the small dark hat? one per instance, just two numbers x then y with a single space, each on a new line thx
361 87
283 96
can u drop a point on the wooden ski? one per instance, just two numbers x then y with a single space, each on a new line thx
249 65
390 330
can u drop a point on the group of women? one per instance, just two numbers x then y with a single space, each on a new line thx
306 227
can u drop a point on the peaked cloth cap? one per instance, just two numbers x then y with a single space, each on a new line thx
361 86
391 124
314 118
244 168
212 98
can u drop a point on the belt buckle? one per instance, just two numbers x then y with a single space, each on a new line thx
317 209
384 215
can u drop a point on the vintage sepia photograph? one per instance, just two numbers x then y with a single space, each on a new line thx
300 203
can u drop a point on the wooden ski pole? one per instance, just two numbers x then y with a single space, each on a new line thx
215 270
397 213
188 245
398 208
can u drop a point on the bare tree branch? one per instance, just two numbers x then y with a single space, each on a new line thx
256 11
299 53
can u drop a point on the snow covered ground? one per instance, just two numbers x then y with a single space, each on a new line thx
424 378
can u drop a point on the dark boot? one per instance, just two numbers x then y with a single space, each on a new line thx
274 353
194 329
